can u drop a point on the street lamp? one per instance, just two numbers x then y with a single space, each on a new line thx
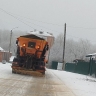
10 39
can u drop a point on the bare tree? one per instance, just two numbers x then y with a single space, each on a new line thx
74 49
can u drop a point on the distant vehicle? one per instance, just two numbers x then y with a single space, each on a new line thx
32 53
4 61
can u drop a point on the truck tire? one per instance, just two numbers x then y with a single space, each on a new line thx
13 71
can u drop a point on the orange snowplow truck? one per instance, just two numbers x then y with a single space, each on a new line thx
31 55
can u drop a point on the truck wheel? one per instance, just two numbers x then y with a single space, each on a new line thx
13 71
43 73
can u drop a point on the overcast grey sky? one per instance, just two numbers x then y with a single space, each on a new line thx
50 15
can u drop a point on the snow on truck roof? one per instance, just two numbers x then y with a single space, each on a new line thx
32 36
44 35
41 33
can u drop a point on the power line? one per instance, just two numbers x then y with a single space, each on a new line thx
80 27
55 24
15 17
43 22
41 26
38 20
23 21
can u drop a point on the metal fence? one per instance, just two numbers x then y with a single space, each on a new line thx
54 65
82 67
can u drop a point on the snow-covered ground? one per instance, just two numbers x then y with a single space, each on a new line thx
81 85
24 85
5 70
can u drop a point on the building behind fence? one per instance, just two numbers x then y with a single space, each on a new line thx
4 55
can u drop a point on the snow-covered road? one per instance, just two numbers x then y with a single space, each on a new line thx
23 85
55 83
81 85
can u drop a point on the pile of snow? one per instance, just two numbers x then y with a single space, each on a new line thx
5 70
11 58
81 85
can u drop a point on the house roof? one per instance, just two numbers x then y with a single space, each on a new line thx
90 55
1 49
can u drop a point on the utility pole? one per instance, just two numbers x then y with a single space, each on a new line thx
10 41
63 65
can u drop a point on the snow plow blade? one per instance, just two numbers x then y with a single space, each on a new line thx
28 72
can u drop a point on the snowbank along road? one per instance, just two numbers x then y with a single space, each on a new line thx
24 85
